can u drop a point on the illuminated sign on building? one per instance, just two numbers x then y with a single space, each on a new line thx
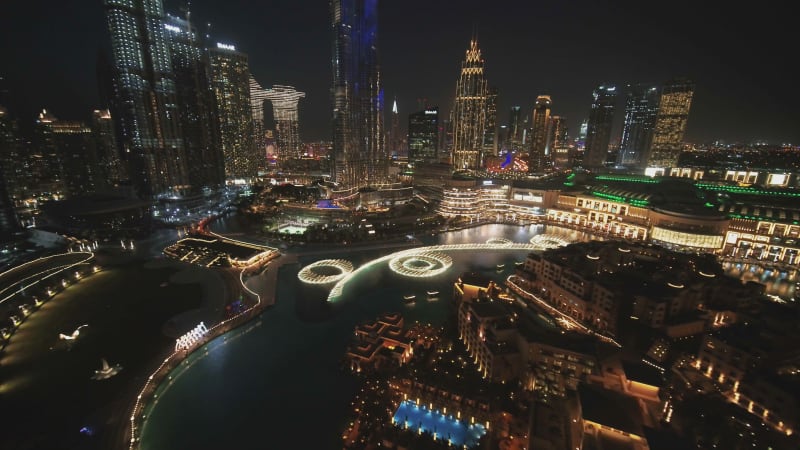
741 176
226 46
777 179
654 171
527 196
687 239
172 28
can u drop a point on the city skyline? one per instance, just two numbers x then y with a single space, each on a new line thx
501 206
627 46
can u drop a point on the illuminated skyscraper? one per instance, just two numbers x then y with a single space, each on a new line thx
8 220
580 140
198 115
110 172
394 141
558 144
469 112
641 106
359 155
539 159
673 114
8 148
598 130
284 106
490 129
230 82
74 144
45 161
515 128
423 135
14 164
146 103
258 95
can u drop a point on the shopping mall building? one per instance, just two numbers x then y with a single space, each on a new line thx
685 214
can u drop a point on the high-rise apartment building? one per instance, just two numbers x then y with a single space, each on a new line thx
469 112
423 135
641 106
539 158
359 155
598 130
580 139
515 128
261 125
13 161
198 119
45 168
559 147
146 102
490 129
673 114
230 82
74 144
110 170
8 220
8 150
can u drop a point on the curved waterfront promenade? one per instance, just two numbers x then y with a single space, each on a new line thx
23 276
147 394
15 281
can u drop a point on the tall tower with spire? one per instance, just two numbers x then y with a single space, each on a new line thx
394 141
359 153
469 111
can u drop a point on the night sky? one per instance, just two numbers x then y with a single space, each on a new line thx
739 58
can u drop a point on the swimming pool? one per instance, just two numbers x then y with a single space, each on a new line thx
441 426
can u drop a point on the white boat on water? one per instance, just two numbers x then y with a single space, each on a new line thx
73 336
106 371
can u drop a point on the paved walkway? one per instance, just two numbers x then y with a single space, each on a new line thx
265 284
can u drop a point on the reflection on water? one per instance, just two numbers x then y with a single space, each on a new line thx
781 282
519 234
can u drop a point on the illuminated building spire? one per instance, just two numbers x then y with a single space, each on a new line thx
469 111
